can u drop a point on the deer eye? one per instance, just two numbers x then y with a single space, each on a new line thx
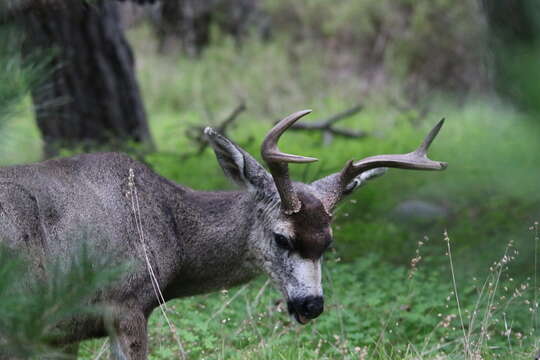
282 242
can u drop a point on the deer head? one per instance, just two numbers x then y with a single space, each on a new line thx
292 221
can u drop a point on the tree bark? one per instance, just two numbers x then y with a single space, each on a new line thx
92 96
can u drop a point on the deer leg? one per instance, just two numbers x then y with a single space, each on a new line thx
129 340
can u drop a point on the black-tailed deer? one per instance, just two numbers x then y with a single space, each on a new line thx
194 241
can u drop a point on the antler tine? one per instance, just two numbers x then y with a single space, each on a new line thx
415 160
277 162
423 148
269 149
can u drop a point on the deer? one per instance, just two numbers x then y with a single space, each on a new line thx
196 241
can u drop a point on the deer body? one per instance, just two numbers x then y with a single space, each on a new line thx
196 242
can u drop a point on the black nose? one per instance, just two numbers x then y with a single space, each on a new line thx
310 307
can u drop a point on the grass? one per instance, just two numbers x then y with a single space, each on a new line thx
374 309
390 292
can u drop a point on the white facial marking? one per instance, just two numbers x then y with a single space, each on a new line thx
307 274
295 276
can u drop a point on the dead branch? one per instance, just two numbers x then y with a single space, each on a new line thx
328 128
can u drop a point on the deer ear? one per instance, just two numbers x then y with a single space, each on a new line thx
363 178
327 186
237 164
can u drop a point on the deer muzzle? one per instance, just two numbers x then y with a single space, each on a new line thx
305 309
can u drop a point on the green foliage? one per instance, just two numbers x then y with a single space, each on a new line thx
18 73
518 75
35 305
372 307
489 191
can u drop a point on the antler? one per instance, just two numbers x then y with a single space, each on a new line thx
277 162
416 160
336 185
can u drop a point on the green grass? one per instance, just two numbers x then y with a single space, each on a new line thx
373 306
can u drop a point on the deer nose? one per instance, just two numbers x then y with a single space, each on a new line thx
311 306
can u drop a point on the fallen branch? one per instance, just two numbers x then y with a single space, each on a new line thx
327 126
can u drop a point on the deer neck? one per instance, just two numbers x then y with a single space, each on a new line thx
215 254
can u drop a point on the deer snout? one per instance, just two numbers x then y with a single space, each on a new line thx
307 308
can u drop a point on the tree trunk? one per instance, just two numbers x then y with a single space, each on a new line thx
92 96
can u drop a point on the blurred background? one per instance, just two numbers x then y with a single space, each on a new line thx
145 78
